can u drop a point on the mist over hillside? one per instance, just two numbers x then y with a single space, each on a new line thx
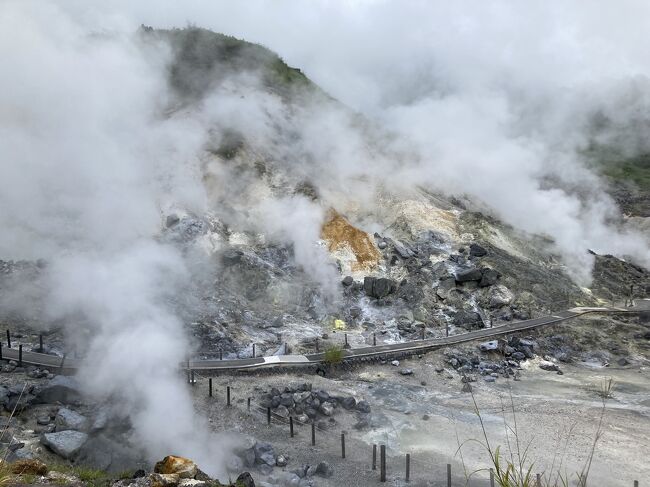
173 188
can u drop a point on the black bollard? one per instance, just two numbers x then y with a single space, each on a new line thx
192 380
347 345
342 445
447 329
8 339
408 467
20 355
253 350
220 354
268 416
374 457
374 339
291 426
423 333
248 405
210 387
40 343
313 434
0 350
228 396
449 475
382 463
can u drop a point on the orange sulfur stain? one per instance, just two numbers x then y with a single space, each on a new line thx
340 235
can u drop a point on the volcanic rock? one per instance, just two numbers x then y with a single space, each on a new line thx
61 389
467 275
164 480
378 287
476 250
67 419
65 443
183 467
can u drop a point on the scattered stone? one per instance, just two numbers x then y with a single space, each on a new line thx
623 361
406 372
281 461
488 346
489 277
363 406
470 274
549 366
395 363
324 470
245 480
67 419
348 402
347 281
65 443
476 250
61 389
264 453
164 480
378 287
327 409
490 378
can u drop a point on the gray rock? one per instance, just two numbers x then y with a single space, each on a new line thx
65 443
324 470
500 296
286 399
468 319
467 275
347 281
395 363
171 220
489 378
489 277
327 409
43 420
67 419
281 461
549 366
378 287
245 480
282 411
264 453
363 406
406 372
61 389
487 346
476 250
348 402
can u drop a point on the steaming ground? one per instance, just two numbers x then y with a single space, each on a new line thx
168 192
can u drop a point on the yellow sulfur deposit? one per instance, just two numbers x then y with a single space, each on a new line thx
344 238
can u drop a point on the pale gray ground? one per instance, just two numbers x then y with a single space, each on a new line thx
549 408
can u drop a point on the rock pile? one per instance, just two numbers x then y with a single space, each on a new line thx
306 405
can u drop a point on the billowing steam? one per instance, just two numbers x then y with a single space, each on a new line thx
493 100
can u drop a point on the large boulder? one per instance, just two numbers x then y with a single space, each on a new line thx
476 250
181 466
264 453
489 277
469 320
470 274
67 419
245 480
500 296
65 443
61 389
378 287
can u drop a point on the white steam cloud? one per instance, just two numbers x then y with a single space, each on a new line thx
87 164
495 100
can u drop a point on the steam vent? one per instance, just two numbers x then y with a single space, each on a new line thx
324 244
